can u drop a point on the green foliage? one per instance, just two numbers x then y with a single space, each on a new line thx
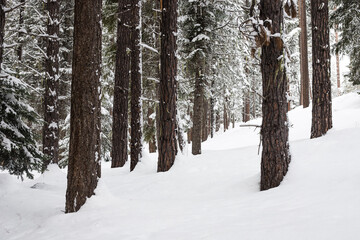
346 18
18 151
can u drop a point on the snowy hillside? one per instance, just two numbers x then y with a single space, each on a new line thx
212 196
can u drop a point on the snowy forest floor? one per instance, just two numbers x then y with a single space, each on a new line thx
212 196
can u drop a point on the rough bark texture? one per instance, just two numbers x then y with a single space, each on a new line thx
198 110
274 130
337 59
84 154
2 30
205 120
121 88
21 25
304 62
321 111
247 107
135 142
212 109
152 142
217 121
167 106
51 112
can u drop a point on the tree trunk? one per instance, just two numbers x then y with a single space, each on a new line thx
225 117
212 109
121 88
321 111
2 30
337 59
51 112
21 25
274 130
167 106
217 121
247 107
135 143
84 154
151 123
198 110
304 62
205 115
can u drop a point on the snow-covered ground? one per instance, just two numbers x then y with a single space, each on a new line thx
212 196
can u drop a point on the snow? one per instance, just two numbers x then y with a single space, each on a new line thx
212 196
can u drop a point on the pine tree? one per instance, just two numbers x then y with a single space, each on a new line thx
51 112
304 63
346 18
84 154
168 86
321 103
136 135
18 150
121 88
274 129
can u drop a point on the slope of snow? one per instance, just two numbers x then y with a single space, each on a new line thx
212 196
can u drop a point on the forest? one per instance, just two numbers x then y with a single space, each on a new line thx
189 119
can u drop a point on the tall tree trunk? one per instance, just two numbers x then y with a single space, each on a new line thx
198 109
51 112
121 88
247 107
321 112
21 25
84 154
274 130
304 62
168 144
135 142
337 59
225 115
217 121
212 109
152 141
205 120
2 30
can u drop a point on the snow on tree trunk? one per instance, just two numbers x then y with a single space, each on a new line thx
275 157
51 113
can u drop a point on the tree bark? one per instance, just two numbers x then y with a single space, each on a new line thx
84 154
151 123
21 25
321 111
198 110
337 59
121 87
168 86
204 122
51 112
304 62
135 142
2 31
274 130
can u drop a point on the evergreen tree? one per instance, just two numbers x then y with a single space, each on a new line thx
84 154
168 85
121 88
321 103
275 157
346 18
18 150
